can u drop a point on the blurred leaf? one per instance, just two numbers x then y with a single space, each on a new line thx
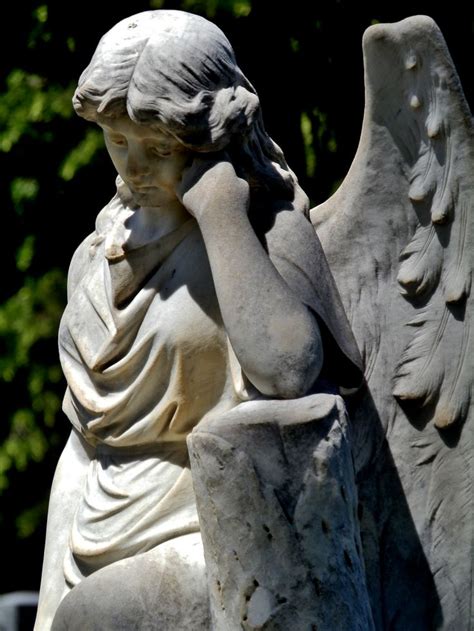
29 316
295 45
41 13
29 519
39 33
23 189
25 253
29 99
238 8
307 133
81 155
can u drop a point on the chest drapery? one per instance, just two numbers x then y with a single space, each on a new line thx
143 348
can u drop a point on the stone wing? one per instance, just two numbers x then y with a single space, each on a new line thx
399 239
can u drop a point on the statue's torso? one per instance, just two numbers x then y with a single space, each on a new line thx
147 369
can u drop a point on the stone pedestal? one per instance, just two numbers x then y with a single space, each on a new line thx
277 502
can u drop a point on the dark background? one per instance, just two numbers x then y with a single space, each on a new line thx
305 60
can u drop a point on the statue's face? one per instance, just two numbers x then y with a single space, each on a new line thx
150 162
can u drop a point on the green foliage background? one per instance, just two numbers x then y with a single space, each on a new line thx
304 57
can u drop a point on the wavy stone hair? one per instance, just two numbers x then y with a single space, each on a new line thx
177 72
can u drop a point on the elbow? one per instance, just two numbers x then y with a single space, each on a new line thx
298 378
293 374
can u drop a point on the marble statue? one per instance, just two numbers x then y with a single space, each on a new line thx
228 466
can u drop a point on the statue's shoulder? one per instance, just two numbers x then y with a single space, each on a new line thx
89 247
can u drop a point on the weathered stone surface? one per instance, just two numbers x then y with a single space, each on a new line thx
278 508
163 589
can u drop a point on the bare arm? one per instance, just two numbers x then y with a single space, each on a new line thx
275 337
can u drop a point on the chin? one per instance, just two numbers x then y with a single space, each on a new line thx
152 199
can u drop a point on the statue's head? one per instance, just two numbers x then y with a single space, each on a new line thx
174 70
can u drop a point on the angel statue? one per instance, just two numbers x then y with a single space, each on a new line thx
205 341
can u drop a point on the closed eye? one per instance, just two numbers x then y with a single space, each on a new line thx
161 152
117 139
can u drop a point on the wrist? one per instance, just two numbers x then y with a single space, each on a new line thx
214 189
225 212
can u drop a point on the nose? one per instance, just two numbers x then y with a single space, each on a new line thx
138 166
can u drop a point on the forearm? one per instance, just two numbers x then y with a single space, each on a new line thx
275 337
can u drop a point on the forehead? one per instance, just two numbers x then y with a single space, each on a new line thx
125 126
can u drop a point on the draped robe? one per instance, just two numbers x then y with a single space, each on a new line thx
146 357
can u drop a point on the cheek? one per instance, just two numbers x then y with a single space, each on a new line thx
118 157
171 171
184 162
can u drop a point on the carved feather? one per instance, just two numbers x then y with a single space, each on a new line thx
421 263
436 263
421 373
458 278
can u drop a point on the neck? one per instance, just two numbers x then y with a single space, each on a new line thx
166 218
151 223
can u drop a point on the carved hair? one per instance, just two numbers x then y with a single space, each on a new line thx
177 72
